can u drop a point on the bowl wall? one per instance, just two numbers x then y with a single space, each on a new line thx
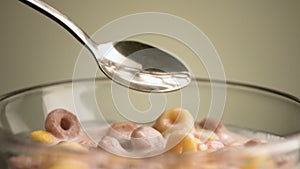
101 101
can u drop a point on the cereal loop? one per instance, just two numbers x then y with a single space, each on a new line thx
173 120
111 144
147 138
24 162
205 135
211 124
73 146
69 164
121 130
187 143
42 136
62 124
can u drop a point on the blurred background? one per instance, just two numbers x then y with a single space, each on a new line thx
258 41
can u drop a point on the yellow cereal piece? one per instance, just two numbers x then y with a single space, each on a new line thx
42 136
73 146
69 164
63 156
252 165
189 144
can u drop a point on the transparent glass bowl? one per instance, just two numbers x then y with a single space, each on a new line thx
250 110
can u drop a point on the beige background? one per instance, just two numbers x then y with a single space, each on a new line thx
258 40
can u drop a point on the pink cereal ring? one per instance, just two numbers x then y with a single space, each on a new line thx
62 124
254 142
121 130
24 162
214 144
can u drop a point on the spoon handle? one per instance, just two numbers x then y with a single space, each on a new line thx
61 19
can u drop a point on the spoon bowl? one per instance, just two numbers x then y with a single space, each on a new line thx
132 64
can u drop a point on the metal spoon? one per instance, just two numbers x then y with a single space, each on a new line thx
129 63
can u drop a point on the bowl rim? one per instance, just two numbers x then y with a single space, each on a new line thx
205 80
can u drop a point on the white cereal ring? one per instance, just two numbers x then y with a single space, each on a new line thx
146 138
111 145
122 132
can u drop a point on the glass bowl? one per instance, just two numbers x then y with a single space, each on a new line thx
248 110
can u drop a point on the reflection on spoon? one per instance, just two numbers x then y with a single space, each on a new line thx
129 63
